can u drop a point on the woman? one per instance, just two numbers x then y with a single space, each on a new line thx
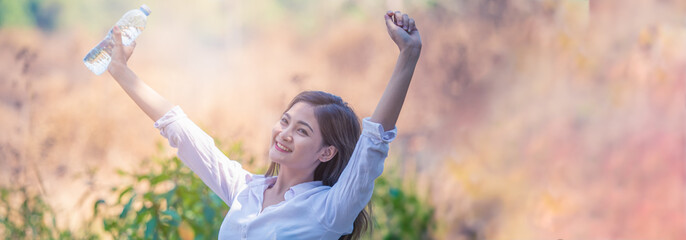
324 168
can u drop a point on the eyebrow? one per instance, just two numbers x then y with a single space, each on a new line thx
300 121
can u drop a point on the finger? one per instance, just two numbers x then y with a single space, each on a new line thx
129 50
131 46
398 18
390 14
406 22
116 34
389 21
411 27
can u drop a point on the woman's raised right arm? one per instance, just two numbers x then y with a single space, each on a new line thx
151 102
196 149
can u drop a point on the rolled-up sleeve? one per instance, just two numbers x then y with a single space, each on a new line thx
198 151
355 186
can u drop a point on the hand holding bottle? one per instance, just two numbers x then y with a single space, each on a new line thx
120 53
129 27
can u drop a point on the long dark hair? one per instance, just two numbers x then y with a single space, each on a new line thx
340 128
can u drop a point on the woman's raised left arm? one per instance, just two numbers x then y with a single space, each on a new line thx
355 186
404 33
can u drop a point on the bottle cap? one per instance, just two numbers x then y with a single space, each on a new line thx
145 9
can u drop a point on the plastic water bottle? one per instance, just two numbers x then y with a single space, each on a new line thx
131 25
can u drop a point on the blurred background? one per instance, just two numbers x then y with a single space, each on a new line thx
526 119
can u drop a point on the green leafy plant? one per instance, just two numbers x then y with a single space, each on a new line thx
167 202
399 213
25 215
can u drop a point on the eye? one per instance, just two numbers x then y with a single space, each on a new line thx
284 121
302 131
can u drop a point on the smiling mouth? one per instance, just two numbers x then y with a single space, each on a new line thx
281 147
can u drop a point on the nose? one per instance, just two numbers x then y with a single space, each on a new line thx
285 135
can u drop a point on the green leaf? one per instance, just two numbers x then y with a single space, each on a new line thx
108 224
141 214
150 228
142 177
125 191
208 213
176 219
127 207
159 178
168 196
149 196
4 192
395 193
121 172
95 206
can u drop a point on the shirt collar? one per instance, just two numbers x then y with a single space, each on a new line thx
261 183
300 188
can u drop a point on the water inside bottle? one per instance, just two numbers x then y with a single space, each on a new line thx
131 25
129 33
99 57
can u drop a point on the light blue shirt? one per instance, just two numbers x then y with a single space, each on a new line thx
310 210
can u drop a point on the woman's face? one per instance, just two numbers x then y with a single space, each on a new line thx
296 139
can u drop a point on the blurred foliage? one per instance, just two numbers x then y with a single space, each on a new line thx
32 219
32 13
399 213
167 201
